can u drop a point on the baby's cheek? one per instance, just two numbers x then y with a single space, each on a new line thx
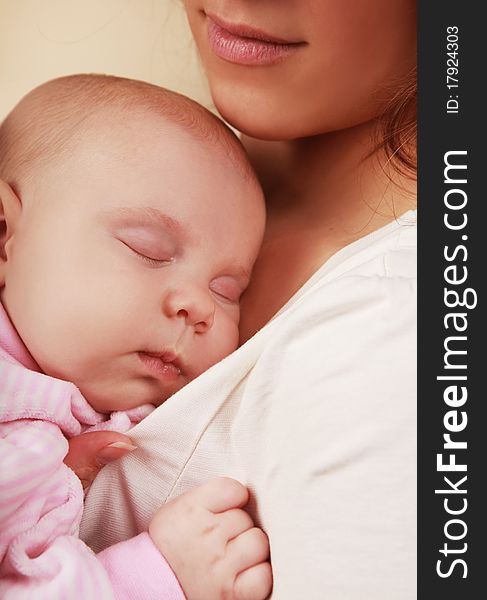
33 312
222 342
231 339
230 333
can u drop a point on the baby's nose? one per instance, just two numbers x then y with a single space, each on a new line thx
195 306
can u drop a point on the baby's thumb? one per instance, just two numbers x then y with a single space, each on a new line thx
89 452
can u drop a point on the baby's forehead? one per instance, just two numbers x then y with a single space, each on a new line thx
188 127
57 115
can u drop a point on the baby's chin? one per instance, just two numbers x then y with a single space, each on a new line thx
109 399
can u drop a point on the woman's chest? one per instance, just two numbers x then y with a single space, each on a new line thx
290 255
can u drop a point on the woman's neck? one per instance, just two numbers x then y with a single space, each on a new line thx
335 179
322 194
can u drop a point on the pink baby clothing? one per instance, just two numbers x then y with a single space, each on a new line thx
41 499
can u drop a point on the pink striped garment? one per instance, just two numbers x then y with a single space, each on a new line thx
41 499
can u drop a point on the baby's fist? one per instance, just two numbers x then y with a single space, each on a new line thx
212 544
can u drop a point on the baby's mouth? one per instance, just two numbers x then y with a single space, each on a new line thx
166 365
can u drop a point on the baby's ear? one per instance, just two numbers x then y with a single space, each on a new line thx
10 210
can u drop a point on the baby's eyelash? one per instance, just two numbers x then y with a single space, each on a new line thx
154 262
227 299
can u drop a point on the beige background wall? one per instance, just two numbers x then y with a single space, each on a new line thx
143 39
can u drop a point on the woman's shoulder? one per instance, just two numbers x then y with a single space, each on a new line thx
389 252
378 272
350 337
345 352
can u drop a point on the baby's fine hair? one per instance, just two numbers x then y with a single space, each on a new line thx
48 120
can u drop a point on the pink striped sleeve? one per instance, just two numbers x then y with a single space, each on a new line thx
138 571
41 501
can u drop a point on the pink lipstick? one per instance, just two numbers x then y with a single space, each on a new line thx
245 45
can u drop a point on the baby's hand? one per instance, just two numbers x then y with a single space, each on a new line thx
212 544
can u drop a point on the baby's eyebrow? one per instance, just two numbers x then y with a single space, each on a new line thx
146 215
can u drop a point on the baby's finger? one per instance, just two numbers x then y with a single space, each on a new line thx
248 549
234 522
221 494
254 583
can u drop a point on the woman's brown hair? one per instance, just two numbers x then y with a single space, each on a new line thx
397 127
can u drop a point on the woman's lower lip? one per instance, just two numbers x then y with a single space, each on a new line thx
164 371
246 50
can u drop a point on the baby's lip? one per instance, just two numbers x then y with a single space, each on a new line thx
164 366
166 356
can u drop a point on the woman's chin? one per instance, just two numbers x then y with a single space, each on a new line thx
260 115
253 115
263 127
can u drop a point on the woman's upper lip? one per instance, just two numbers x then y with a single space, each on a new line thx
251 33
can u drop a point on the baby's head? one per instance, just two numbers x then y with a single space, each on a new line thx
130 221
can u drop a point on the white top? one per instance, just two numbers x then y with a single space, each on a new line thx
317 415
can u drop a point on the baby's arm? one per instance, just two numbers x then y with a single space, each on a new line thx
41 503
210 543
207 539
40 509
137 570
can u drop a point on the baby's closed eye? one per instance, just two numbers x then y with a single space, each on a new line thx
148 245
227 288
